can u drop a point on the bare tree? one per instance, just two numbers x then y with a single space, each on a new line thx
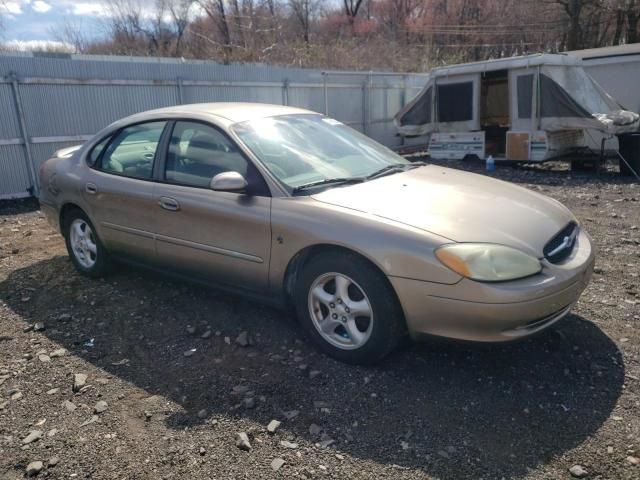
302 12
351 8
217 12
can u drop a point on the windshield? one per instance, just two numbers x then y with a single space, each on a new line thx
304 149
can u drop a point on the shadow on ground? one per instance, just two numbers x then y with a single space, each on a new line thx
463 410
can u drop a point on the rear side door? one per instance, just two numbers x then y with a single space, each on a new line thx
119 189
220 236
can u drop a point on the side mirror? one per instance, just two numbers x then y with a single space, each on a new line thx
228 182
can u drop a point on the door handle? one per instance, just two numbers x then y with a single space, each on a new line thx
91 188
169 204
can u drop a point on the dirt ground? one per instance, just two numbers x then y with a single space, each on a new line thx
175 401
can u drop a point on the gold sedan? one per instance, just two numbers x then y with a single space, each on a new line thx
300 210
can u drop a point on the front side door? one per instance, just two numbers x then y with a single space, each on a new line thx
224 236
119 189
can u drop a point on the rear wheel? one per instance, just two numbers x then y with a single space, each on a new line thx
86 251
348 308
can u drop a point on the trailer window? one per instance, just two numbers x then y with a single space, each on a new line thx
556 102
455 102
420 113
525 94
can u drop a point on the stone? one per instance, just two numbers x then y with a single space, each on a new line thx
287 444
243 339
101 406
202 413
315 429
206 334
44 358
61 352
633 460
33 436
273 426
242 441
291 414
39 327
578 471
79 381
93 419
190 352
191 330
34 468
277 463
249 403
69 405
53 461
239 390
53 391
16 396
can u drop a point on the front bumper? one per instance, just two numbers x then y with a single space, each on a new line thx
494 312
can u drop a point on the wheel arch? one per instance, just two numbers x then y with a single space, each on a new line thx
298 261
65 210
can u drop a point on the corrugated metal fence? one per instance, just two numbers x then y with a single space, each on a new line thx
50 103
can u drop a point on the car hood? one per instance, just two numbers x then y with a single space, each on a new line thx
461 206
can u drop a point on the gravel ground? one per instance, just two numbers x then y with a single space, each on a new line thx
169 384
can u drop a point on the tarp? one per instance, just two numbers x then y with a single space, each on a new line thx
569 98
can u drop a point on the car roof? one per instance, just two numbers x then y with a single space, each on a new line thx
233 112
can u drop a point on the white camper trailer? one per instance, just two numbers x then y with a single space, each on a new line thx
531 108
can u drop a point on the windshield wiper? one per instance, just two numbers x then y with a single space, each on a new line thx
394 168
329 181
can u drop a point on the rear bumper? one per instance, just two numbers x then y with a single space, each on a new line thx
496 312
51 213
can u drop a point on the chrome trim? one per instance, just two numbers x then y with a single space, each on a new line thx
133 231
185 243
568 241
209 248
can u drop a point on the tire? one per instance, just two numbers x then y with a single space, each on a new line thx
378 333
85 250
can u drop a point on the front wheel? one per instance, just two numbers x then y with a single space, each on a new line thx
83 245
348 308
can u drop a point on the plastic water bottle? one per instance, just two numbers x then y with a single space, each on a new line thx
491 164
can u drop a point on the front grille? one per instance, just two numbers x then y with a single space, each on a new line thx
560 247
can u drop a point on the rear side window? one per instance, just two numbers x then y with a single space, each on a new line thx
94 155
133 150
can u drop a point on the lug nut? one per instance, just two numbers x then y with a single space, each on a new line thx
344 319
332 305
334 316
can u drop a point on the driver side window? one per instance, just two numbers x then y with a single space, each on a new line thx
133 150
198 152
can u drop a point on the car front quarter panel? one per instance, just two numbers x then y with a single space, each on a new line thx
396 249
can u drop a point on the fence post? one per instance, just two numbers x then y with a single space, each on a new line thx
285 92
326 93
365 123
403 102
369 90
31 168
180 90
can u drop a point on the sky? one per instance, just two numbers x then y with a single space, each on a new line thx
28 22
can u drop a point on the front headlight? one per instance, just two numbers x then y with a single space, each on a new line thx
488 262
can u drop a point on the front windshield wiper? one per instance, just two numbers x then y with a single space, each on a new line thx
394 168
328 181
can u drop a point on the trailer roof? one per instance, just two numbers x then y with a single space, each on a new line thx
508 63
